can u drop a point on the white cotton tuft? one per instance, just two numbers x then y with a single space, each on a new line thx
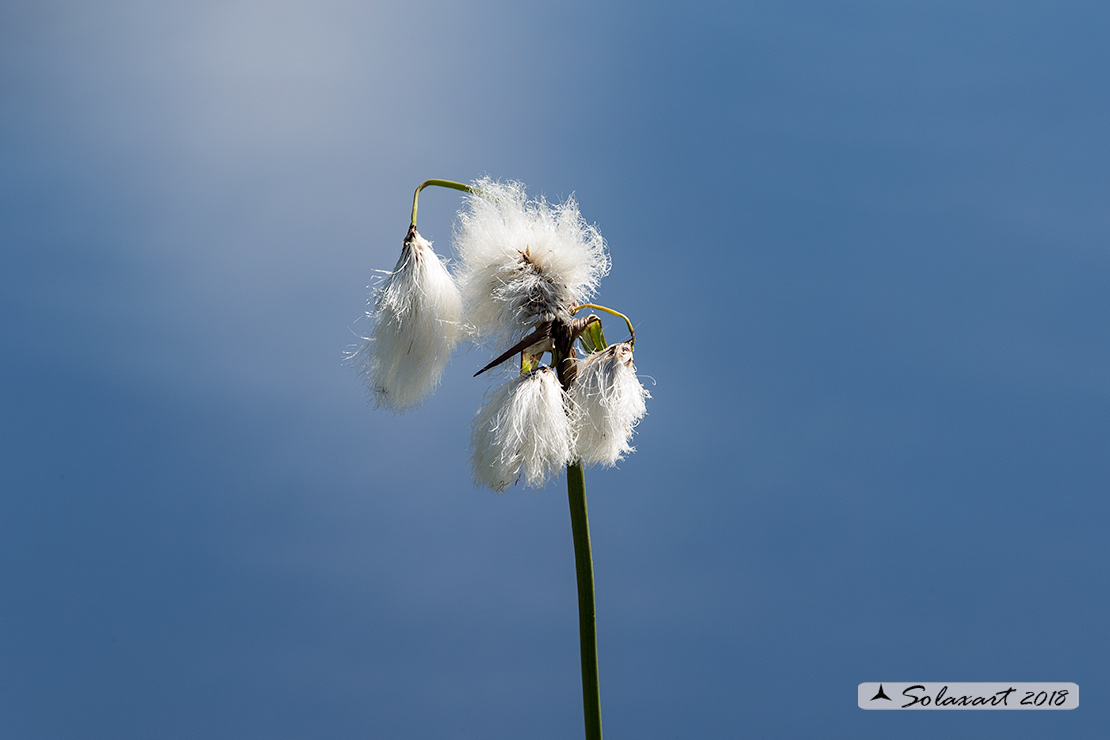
608 402
523 428
523 261
416 318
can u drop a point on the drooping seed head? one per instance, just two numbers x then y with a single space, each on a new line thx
522 431
416 314
608 402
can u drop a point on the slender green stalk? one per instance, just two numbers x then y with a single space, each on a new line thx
609 311
587 626
438 183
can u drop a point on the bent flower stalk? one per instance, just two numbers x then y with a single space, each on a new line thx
525 269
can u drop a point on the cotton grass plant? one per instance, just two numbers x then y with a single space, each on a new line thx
416 317
526 269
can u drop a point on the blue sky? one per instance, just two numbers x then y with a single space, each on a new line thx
865 248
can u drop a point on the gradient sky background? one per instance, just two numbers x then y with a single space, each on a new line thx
865 245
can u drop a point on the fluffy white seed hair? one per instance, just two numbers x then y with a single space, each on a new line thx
523 261
416 315
523 428
608 402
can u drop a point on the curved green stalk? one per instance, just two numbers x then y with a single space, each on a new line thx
607 310
587 625
438 183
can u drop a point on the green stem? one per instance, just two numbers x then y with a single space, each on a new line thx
587 626
438 183
607 310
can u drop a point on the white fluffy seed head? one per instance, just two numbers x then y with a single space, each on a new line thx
608 402
523 430
523 261
416 315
